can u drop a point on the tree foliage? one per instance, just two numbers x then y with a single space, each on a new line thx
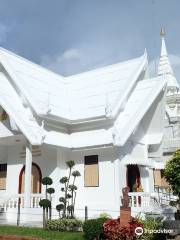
172 172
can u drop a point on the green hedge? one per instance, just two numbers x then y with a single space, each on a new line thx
93 228
64 225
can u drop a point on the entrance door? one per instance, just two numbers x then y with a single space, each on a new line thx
36 178
133 177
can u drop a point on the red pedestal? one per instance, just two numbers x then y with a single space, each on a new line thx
125 216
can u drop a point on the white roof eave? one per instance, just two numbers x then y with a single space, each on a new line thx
124 136
8 97
121 103
19 88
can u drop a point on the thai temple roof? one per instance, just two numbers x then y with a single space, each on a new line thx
119 93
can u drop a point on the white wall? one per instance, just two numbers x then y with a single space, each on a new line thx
103 198
112 176
15 163
47 163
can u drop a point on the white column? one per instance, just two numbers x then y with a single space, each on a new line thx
117 181
144 174
151 179
27 182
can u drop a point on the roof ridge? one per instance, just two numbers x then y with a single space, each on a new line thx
33 63
106 67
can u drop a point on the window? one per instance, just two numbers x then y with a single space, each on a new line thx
159 179
3 173
91 171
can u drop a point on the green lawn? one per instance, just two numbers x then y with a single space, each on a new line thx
40 233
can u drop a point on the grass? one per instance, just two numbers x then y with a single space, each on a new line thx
40 233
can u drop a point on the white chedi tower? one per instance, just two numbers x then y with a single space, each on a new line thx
171 137
173 93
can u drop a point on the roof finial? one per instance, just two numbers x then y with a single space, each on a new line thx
162 33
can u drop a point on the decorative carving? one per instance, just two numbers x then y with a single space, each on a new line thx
125 209
140 189
36 151
125 199
162 32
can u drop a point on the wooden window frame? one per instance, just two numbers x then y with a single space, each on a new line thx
91 161
3 168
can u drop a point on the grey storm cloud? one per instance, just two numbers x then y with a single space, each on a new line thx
71 36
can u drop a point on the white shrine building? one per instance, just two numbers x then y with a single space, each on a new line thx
110 121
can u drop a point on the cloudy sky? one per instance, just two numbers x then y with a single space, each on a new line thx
71 36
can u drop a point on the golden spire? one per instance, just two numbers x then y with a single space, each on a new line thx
162 33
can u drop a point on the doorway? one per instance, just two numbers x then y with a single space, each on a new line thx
36 179
133 177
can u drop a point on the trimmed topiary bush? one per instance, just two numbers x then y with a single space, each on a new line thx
64 224
47 181
93 228
60 208
45 204
50 190
69 191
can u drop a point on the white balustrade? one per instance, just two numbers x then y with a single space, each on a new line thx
171 144
139 199
35 199
14 201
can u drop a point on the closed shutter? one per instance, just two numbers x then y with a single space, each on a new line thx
3 173
163 180
91 171
157 177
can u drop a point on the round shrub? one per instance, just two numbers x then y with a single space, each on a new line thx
50 190
76 174
45 203
70 163
62 199
72 187
93 228
63 180
59 207
47 181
